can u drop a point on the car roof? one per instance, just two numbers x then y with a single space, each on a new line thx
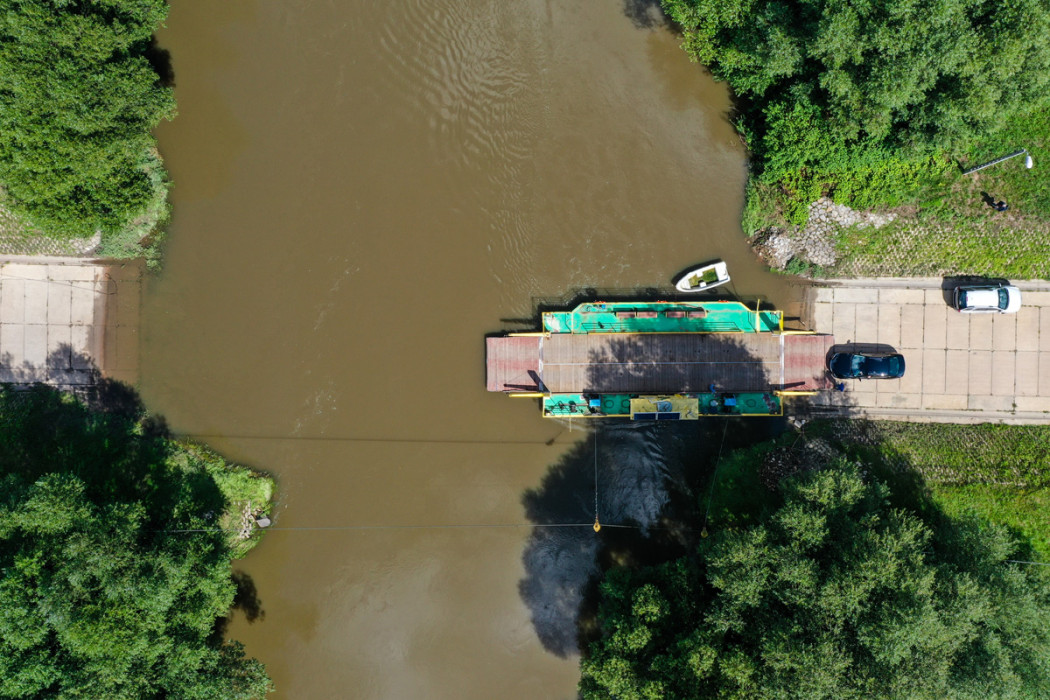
982 296
987 297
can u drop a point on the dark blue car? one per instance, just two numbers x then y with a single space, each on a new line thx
860 365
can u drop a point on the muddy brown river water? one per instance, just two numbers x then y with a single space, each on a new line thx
363 190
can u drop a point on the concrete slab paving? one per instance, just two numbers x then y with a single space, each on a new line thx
980 332
1003 373
35 303
1033 403
980 373
53 319
933 297
1044 372
823 295
1004 332
911 326
35 351
83 300
867 328
847 295
960 367
59 346
991 403
1028 328
12 300
933 371
822 315
899 297
1026 373
1044 329
911 382
12 343
890 325
934 327
59 304
844 323
946 402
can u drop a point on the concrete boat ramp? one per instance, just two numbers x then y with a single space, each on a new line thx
68 321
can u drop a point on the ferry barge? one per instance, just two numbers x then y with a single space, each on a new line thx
663 360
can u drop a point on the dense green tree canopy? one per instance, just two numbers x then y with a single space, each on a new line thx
832 595
78 99
822 79
98 598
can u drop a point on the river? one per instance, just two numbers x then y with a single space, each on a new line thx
361 192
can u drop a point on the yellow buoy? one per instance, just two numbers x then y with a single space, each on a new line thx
703 533
597 525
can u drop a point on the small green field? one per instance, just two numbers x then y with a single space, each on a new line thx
998 472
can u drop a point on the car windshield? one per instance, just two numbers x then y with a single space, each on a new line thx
1004 298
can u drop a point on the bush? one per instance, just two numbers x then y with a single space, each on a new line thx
78 100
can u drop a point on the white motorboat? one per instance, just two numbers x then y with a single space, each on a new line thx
703 278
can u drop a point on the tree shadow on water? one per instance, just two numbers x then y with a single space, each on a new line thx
160 60
245 600
646 486
646 14
648 474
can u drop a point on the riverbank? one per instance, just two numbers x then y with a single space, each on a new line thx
907 241
140 237
247 493
918 217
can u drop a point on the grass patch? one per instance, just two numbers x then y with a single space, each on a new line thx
1026 513
247 493
944 224
143 236
998 472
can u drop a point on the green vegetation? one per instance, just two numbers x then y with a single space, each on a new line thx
114 573
998 472
830 592
881 105
79 97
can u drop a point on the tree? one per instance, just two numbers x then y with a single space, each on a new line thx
832 595
78 99
823 79
99 596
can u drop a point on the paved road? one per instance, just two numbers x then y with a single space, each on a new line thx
62 321
960 367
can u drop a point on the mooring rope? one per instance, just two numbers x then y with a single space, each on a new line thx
597 525
714 476
461 526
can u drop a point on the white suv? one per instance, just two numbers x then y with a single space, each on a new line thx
993 298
